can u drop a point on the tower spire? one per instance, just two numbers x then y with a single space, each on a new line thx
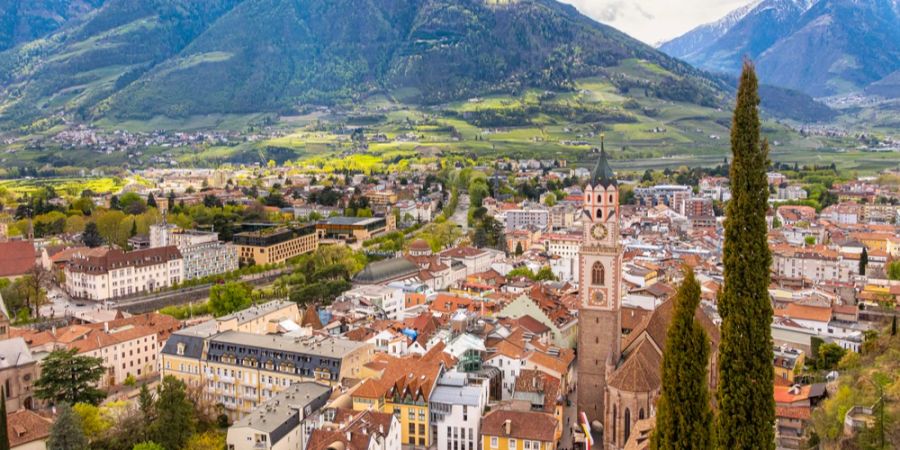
603 173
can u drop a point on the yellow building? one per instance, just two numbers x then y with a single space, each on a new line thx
518 430
403 388
237 362
788 363
274 246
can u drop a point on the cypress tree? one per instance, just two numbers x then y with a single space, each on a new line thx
683 416
745 397
863 261
4 432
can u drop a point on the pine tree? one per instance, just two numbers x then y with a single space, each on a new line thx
67 433
134 230
745 397
91 236
70 378
170 205
519 249
4 432
114 202
175 420
683 416
151 201
863 261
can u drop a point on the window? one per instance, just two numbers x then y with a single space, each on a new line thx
494 442
598 275
513 445
627 424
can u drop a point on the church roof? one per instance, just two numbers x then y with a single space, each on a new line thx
603 174
640 370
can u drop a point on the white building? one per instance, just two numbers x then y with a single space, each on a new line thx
204 254
456 404
390 300
101 274
521 219
812 263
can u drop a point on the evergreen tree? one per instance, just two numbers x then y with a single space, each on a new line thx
151 201
519 249
147 405
746 403
67 433
863 261
133 232
683 415
170 205
175 420
70 378
114 202
894 326
4 433
91 236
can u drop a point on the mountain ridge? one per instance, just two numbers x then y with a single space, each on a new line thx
845 45
178 57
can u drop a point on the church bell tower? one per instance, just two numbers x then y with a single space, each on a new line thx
600 268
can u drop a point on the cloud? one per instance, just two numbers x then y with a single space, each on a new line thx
653 21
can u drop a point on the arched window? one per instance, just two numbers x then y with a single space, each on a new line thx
599 213
641 414
627 424
615 422
598 276
610 198
599 198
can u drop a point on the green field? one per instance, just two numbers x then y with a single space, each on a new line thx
641 132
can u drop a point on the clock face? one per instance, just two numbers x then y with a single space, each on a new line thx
597 298
599 231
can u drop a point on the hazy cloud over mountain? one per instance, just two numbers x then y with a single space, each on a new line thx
653 21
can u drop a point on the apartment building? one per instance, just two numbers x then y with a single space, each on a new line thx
203 253
128 347
816 263
104 273
280 423
456 405
534 218
388 300
670 195
275 245
518 430
241 370
355 229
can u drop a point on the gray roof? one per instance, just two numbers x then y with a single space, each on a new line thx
285 411
193 345
342 220
14 352
388 269
328 347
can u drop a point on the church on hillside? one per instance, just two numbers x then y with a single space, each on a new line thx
619 380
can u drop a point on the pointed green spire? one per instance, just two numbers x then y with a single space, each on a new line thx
603 173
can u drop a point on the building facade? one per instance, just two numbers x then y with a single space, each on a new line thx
204 254
273 246
112 273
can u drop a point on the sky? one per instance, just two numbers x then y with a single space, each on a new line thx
654 21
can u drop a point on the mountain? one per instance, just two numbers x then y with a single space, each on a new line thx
22 21
820 47
176 58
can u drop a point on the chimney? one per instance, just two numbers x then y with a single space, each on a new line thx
349 436
106 327
507 426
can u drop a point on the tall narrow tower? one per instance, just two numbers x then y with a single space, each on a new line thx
600 279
